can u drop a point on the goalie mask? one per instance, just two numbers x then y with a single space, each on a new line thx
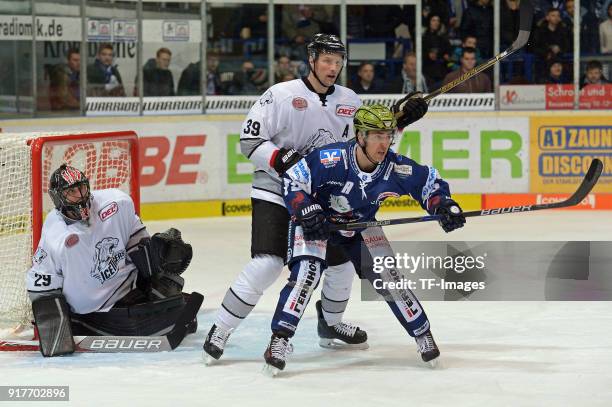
69 190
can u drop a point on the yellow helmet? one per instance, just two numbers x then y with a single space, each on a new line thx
374 117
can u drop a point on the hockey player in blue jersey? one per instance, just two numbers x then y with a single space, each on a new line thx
347 182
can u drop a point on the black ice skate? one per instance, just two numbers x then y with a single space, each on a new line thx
276 354
340 336
215 343
428 349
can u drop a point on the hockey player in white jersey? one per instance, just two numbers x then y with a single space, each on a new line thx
95 260
287 122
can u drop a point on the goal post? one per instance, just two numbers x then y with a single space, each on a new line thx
27 160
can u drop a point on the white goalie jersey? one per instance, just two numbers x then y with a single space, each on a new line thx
292 115
89 264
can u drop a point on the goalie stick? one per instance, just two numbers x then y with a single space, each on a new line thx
125 344
525 18
587 184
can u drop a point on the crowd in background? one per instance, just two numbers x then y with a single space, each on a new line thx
456 36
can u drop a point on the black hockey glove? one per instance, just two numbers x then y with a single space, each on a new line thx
284 159
413 107
313 222
451 213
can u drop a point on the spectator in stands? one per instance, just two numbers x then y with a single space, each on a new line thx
288 77
456 9
355 21
469 41
477 20
64 91
253 22
551 38
103 78
589 33
381 20
366 82
249 81
509 21
555 73
605 33
434 68
567 13
435 37
594 74
406 82
477 84
283 68
295 49
441 8
189 82
299 20
157 78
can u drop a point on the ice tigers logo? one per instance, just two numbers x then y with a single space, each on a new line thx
320 138
266 98
106 259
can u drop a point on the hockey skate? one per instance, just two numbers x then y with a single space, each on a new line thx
276 354
340 336
215 344
428 349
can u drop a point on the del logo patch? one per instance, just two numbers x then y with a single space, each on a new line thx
329 158
108 211
345 110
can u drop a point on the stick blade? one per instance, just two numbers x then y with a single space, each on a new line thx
526 18
589 181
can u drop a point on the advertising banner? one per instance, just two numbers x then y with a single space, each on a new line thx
592 201
223 104
562 149
554 97
522 97
192 159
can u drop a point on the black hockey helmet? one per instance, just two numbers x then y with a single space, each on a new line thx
326 44
66 177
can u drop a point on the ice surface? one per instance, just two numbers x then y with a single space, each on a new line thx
493 353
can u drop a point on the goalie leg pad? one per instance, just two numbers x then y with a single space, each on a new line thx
52 316
145 319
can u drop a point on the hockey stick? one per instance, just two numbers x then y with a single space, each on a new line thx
525 18
587 184
125 344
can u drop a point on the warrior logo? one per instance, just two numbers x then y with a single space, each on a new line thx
107 259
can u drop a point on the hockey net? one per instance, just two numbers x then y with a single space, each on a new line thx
27 160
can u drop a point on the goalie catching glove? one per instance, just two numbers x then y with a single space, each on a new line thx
412 106
164 253
451 214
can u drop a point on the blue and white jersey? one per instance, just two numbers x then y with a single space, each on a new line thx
330 176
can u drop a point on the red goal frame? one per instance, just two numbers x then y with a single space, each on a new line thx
37 144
